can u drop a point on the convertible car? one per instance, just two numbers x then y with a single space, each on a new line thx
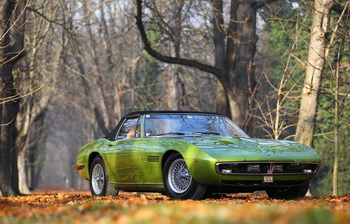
191 155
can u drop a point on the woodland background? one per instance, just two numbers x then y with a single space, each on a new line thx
71 69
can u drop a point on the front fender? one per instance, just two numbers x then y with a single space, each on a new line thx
200 163
84 154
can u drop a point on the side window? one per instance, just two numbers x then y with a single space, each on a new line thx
150 129
129 129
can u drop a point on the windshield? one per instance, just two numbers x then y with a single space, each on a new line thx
190 124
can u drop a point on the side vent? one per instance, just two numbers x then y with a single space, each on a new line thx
152 158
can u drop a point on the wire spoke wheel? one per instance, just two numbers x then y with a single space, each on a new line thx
179 182
179 177
97 179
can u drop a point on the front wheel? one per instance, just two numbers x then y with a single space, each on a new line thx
289 193
178 181
99 181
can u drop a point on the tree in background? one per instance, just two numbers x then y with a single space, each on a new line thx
282 66
234 44
335 59
333 125
12 21
315 63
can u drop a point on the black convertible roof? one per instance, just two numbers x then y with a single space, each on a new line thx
168 112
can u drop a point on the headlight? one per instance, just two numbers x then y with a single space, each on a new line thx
278 168
253 168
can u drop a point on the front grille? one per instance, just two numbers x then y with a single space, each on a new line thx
266 168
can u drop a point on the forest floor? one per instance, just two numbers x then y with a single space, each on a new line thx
80 207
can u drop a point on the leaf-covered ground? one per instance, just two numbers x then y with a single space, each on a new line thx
80 207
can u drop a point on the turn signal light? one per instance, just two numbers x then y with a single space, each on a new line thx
308 171
226 171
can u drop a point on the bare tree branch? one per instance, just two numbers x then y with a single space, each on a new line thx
172 60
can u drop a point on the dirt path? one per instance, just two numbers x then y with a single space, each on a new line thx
80 207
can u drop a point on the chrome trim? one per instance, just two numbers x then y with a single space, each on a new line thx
264 174
152 159
171 136
128 183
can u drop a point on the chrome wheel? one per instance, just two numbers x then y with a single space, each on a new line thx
178 181
179 177
97 179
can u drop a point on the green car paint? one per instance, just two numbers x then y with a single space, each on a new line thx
137 163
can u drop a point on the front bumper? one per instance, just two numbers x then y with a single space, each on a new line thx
207 173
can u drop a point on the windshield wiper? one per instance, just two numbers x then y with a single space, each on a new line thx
205 133
171 133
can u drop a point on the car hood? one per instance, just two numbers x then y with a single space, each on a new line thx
251 149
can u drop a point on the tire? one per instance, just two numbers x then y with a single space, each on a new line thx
99 181
178 181
289 193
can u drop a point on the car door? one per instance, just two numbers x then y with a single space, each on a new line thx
123 153
135 161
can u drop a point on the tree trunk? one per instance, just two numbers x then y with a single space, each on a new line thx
242 69
336 134
171 95
316 59
237 61
337 115
11 50
221 100
22 180
219 37
23 125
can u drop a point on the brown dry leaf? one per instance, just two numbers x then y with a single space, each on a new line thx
81 207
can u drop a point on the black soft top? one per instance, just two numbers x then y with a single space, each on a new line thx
111 136
136 113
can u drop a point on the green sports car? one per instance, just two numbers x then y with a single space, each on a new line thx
191 155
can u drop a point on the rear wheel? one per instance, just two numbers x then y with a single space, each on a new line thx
178 181
289 193
99 181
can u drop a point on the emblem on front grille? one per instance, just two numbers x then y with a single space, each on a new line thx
268 179
271 169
